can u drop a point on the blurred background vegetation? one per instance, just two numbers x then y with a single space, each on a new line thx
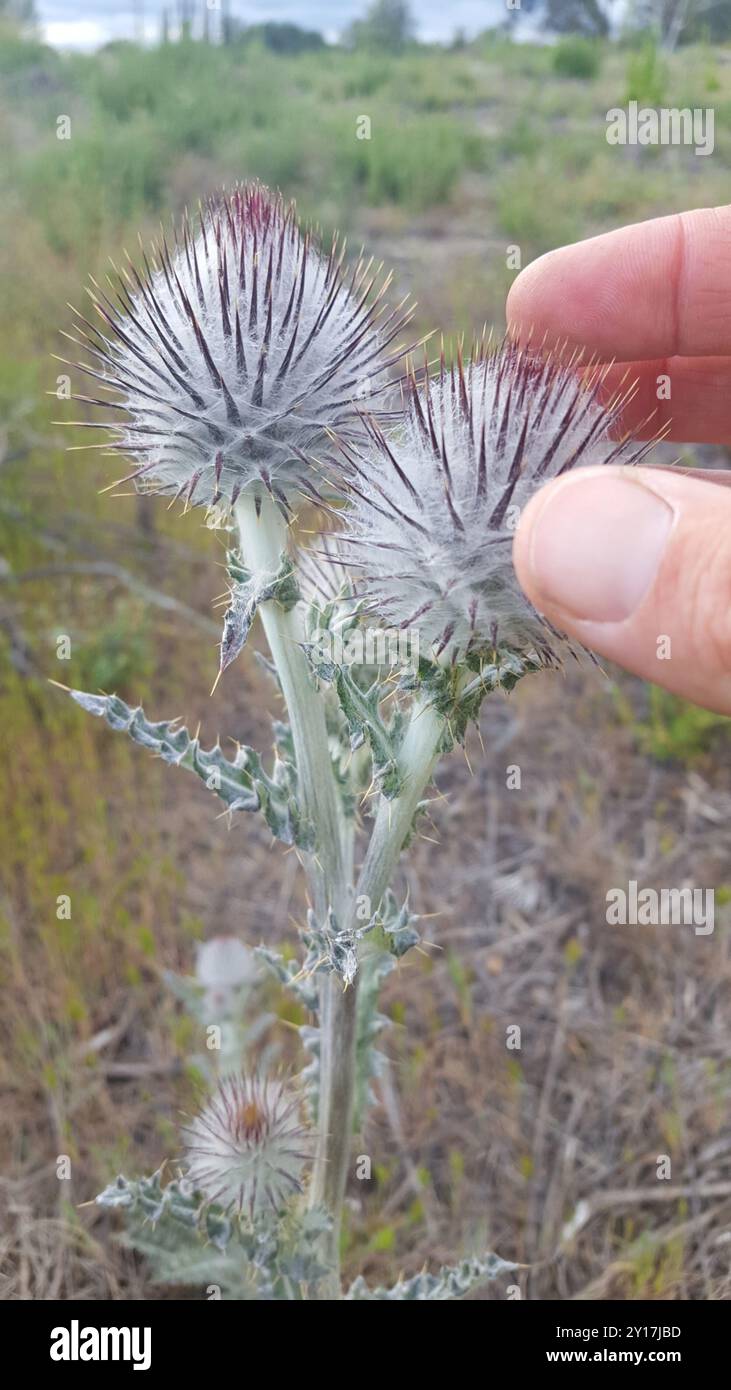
488 143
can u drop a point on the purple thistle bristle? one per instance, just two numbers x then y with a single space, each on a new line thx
323 574
231 354
435 500
248 1147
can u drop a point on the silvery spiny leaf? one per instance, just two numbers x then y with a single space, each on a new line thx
241 782
451 1282
186 1239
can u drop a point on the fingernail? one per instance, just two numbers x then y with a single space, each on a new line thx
596 544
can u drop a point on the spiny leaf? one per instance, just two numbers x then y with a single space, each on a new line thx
397 925
187 1240
393 927
451 1281
290 974
147 1198
362 715
241 783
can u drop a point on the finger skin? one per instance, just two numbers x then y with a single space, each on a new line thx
688 600
698 410
657 289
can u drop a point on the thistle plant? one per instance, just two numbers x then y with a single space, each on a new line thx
255 374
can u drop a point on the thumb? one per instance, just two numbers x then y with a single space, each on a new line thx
635 563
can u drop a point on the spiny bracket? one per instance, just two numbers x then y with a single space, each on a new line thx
397 925
330 947
459 701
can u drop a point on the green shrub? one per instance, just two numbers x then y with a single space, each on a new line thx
534 205
18 53
411 162
576 57
119 656
675 731
365 75
99 179
647 76
522 138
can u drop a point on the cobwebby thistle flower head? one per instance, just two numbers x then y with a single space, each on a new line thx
248 1147
232 352
435 501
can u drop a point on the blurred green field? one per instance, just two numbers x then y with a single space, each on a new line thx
470 151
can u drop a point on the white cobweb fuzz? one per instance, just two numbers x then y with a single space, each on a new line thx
247 1149
435 500
233 352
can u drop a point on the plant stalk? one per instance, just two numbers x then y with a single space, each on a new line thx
417 758
338 1039
263 535
263 538
263 543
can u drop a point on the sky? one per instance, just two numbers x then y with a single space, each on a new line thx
87 23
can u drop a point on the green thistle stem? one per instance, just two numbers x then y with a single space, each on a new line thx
263 536
417 758
263 541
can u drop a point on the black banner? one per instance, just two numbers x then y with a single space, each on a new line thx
156 1338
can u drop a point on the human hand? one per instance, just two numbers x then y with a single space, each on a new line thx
636 563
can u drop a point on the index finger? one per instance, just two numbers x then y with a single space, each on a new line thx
657 289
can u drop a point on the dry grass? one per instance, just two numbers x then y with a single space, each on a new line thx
624 1048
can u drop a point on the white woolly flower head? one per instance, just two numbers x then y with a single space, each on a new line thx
435 500
233 352
248 1147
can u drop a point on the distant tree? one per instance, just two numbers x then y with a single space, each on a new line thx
282 38
713 19
186 10
21 12
681 21
672 21
228 25
388 26
593 18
